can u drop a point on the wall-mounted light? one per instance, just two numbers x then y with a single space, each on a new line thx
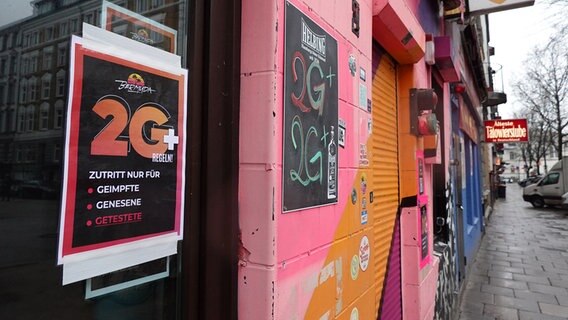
430 52
459 88
423 120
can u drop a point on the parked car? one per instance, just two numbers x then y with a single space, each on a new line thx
34 189
530 180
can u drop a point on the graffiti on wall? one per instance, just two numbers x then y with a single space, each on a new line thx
445 298
310 139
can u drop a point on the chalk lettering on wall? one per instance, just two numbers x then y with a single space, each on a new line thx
310 136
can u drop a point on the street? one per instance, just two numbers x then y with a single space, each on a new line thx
521 269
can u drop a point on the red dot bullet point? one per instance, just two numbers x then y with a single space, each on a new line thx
90 190
89 223
89 206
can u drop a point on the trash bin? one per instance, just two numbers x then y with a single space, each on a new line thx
502 191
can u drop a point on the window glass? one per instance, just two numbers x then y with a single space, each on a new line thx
33 118
551 178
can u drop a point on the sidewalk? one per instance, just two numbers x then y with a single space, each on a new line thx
521 269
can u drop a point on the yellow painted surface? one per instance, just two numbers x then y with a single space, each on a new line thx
343 284
384 166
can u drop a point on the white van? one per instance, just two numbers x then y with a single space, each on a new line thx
552 189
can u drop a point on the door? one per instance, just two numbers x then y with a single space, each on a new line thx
458 151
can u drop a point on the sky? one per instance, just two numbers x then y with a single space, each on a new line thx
13 10
513 34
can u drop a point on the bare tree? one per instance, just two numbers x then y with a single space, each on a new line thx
539 140
543 88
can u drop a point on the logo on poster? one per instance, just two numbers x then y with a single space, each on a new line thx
134 84
312 40
142 36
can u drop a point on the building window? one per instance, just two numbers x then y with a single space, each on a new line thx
157 3
57 152
46 86
12 119
61 56
30 118
24 65
21 120
33 89
23 91
48 34
63 29
18 153
60 83
33 64
3 120
89 18
74 24
35 38
12 93
3 67
58 118
44 116
2 95
142 5
47 57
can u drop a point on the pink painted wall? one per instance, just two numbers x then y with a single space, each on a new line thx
307 263
288 257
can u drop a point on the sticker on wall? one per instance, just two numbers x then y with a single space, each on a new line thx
364 253
363 184
354 314
371 197
352 65
363 160
341 133
355 267
354 196
362 74
362 96
364 217
370 126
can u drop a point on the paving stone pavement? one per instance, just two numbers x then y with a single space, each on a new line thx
521 269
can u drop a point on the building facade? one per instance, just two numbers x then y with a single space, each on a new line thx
335 168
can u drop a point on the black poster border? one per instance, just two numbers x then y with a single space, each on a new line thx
295 198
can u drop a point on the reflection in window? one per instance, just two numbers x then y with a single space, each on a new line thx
12 119
47 57
30 117
23 90
57 152
21 119
61 56
3 119
63 29
33 63
44 116
48 33
58 119
60 82
33 89
46 86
